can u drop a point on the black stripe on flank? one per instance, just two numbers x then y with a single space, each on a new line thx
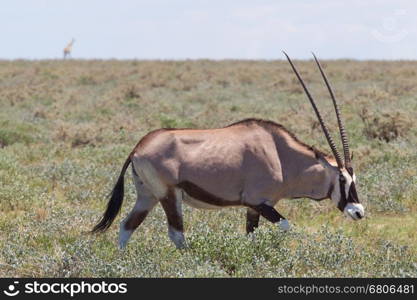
196 192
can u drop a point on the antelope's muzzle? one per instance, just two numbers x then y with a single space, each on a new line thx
354 211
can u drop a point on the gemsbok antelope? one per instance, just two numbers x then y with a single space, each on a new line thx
252 163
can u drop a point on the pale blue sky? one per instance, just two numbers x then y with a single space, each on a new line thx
191 29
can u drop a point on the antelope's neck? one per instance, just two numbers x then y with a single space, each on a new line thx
309 181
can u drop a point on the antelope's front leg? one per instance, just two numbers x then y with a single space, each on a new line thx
270 213
252 220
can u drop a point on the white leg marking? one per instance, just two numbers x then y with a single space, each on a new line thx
177 237
124 235
284 225
144 202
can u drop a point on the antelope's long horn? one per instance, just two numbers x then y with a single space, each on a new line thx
323 125
343 134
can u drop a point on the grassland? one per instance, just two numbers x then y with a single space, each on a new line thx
67 126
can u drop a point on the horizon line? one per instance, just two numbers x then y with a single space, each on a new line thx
201 59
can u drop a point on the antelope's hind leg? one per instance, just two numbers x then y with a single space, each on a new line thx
172 205
144 203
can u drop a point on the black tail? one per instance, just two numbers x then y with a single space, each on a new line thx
115 202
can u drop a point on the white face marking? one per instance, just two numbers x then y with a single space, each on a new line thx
349 181
336 195
354 211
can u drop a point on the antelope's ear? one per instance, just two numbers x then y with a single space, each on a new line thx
323 161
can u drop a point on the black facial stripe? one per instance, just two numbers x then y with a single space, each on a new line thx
350 171
343 199
353 195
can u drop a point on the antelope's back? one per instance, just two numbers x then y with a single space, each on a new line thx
221 161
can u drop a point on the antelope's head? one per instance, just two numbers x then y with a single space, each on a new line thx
344 194
342 186
343 189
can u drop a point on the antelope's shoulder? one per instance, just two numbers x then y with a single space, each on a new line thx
271 127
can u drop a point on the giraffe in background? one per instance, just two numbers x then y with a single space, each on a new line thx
68 49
